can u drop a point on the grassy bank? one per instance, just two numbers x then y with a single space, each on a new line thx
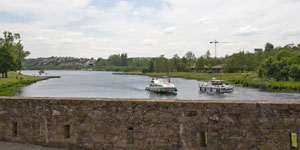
239 79
8 86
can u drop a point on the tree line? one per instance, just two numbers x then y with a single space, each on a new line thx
281 63
121 62
11 53
278 63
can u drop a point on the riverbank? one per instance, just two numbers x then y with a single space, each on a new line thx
239 79
8 86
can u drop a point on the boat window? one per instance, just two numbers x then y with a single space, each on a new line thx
217 82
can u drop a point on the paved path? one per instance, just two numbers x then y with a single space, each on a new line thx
16 146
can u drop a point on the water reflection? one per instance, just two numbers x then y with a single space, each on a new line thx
153 95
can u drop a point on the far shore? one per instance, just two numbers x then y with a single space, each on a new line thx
249 79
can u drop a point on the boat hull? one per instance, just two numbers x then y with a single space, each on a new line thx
162 89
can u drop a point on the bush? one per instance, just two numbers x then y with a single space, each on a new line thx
145 70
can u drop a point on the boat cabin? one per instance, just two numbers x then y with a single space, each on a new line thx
217 82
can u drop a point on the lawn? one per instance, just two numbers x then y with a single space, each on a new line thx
8 86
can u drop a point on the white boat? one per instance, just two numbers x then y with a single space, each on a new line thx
216 86
161 86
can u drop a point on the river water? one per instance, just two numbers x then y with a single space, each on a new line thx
107 85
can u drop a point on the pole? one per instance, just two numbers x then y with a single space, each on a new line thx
215 49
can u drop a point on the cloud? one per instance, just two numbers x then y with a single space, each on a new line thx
247 31
203 21
149 42
169 30
99 28
291 32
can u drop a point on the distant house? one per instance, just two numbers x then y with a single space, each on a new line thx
218 68
134 59
206 68
193 67
258 50
90 63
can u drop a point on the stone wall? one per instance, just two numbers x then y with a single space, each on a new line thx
124 124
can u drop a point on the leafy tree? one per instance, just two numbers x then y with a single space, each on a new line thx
11 53
114 60
269 47
207 54
184 65
281 66
124 61
6 61
191 58
295 71
151 66
175 63
200 63
161 64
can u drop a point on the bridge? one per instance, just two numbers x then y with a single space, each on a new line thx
143 124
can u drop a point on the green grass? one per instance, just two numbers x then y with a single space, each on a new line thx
240 79
8 86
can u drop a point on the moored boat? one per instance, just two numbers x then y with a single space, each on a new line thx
41 72
216 86
161 86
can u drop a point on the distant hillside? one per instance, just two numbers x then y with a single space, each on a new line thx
116 62
58 63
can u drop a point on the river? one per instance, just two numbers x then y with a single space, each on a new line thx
107 85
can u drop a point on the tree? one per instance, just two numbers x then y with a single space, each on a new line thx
184 65
124 61
295 71
191 58
115 60
174 64
20 55
283 65
207 54
6 61
200 63
161 64
151 66
269 47
8 54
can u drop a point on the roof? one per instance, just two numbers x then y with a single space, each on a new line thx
219 66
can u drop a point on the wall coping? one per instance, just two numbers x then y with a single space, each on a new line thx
287 102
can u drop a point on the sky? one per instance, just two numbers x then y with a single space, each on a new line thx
149 28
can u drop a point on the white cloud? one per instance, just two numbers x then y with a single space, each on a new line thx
247 31
169 30
79 28
149 42
203 21
291 32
